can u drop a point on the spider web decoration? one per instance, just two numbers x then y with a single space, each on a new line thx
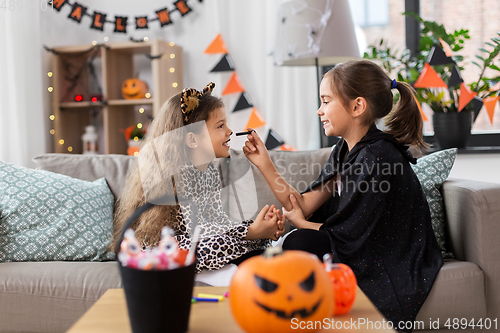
300 22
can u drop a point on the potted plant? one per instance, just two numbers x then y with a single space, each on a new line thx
452 124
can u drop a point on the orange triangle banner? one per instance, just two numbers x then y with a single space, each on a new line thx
256 120
429 79
446 48
233 86
287 147
466 95
490 103
424 117
217 46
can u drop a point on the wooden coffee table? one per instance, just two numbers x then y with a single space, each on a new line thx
109 314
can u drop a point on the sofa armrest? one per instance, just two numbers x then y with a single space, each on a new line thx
473 225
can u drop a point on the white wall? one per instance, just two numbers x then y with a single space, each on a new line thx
481 167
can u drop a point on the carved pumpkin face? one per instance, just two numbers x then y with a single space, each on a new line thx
344 287
266 292
134 89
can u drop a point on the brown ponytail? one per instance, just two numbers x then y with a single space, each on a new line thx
405 121
364 78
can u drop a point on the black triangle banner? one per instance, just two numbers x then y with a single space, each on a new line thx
224 65
243 103
477 104
438 57
455 78
273 140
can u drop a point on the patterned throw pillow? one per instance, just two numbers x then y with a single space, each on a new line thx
432 170
45 216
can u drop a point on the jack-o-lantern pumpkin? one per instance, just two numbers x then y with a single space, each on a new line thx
270 293
344 285
134 88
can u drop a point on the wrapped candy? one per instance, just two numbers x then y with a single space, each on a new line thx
166 256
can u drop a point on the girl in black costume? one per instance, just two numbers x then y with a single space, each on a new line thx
367 206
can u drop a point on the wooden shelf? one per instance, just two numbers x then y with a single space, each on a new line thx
144 101
76 105
116 64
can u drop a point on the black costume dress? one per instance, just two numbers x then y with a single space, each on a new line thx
382 226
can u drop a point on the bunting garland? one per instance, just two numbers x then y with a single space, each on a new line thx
466 95
233 86
477 105
255 120
429 78
490 104
224 65
120 23
243 103
438 57
217 46
273 140
446 48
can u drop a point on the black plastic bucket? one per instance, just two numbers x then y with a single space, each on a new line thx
157 300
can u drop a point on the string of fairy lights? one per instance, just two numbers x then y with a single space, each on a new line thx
141 110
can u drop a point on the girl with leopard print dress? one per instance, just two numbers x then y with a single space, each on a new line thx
176 158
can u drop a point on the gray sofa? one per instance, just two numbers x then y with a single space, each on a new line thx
51 296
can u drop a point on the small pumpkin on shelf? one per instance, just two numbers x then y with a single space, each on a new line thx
134 88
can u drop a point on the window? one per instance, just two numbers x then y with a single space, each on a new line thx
368 13
481 30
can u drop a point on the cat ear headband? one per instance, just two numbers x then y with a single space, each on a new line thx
190 99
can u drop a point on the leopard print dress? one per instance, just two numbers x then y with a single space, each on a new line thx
221 240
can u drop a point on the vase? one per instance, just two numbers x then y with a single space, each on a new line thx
452 129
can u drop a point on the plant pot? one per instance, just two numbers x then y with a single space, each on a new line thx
452 129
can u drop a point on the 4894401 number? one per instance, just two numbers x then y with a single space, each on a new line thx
463 323
19 5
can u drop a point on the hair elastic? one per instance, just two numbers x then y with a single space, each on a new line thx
394 84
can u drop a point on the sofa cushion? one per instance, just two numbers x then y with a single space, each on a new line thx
89 167
48 216
432 170
51 296
298 168
457 293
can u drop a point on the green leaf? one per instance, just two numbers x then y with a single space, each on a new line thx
494 67
475 63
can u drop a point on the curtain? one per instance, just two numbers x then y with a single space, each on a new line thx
287 97
21 105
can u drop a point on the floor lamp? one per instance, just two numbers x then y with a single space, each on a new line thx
315 33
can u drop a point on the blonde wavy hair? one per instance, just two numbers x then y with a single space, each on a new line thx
170 117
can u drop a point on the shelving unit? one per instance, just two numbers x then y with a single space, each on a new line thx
113 113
